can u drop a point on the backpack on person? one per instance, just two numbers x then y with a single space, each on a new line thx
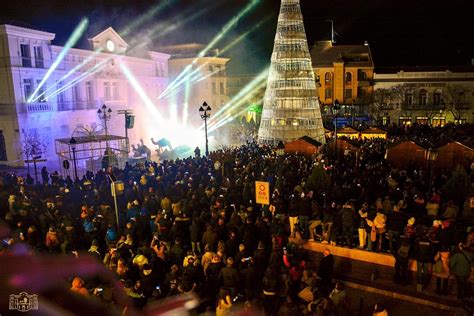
404 250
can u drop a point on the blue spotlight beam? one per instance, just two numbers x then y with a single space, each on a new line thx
227 27
221 52
151 13
162 29
81 77
243 93
141 93
79 30
69 73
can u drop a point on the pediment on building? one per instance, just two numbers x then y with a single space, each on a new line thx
109 41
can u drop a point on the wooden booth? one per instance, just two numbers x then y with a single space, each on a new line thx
348 132
400 155
373 132
304 145
453 154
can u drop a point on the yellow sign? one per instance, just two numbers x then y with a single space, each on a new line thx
262 192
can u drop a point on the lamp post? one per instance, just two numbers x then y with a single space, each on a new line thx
335 108
432 156
280 149
352 112
204 112
72 143
105 113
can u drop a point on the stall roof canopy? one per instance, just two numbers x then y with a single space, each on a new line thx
311 141
348 130
90 139
445 142
374 130
404 141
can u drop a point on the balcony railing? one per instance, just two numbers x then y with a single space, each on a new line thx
77 105
35 107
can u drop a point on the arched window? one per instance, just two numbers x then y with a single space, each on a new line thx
409 98
362 76
328 77
422 97
3 149
348 78
437 97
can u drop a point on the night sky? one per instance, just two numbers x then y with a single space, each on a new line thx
409 33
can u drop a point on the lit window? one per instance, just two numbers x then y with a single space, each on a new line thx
39 63
106 91
328 77
422 97
437 97
25 55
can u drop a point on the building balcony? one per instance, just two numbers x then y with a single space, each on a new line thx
77 105
35 107
418 106
364 83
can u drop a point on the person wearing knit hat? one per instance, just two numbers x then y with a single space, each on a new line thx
410 230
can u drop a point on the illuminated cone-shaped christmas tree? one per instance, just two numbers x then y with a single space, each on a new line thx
290 108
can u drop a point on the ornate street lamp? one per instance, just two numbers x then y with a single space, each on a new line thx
105 113
72 143
204 112
336 107
280 148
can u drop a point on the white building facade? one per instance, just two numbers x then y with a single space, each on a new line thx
207 78
69 99
432 96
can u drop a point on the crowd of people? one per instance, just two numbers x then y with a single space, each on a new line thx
193 226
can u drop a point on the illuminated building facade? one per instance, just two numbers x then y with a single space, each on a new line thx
291 108
65 104
344 73
424 95
206 79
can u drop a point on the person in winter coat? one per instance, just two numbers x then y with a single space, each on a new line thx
210 237
293 212
424 256
348 215
378 229
177 253
325 270
328 220
212 276
271 284
395 223
402 256
229 277
304 214
52 240
111 235
441 260
363 212
195 235
460 266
